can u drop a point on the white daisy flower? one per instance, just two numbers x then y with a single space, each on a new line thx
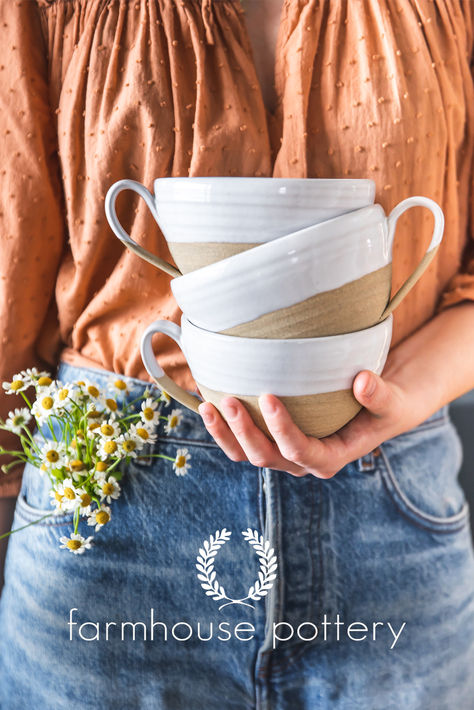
99 517
18 384
118 385
174 420
109 429
58 500
108 447
43 406
85 501
17 419
108 489
76 543
180 464
91 390
149 412
77 468
65 395
165 397
53 454
68 491
109 405
32 375
44 382
145 432
101 470
129 445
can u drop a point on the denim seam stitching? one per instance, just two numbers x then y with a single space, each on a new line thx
406 507
31 514
189 442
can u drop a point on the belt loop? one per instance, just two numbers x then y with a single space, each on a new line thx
367 463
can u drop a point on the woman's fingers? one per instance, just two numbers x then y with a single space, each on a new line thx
309 453
220 432
241 434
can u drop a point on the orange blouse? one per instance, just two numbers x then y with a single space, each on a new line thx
92 91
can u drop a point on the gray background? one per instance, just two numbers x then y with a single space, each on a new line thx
462 414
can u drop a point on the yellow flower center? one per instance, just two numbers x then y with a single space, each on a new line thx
80 383
43 467
52 456
85 500
93 425
44 381
180 462
129 445
58 496
110 447
76 465
108 488
148 413
107 429
93 414
142 433
63 394
93 391
101 465
69 493
102 517
111 404
73 544
47 402
16 385
80 434
18 420
120 385
173 421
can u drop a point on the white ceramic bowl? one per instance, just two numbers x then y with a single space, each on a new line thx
251 210
293 268
313 376
219 215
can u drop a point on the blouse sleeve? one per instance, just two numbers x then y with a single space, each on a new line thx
461 286
31 222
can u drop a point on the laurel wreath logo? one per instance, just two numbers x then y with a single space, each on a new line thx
207 574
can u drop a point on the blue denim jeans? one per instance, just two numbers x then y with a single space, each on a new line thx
372 606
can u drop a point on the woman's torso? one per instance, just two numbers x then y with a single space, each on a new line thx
154 88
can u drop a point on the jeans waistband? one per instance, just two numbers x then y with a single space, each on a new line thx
191 427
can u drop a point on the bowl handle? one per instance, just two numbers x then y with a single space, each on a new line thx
156 372
120 231
430 253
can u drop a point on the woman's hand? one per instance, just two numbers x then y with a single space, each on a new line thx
426 371
386 404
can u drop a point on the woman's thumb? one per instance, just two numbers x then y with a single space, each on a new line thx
372 392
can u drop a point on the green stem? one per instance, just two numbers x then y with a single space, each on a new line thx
26 399
76 520
48 515
158 456
20 454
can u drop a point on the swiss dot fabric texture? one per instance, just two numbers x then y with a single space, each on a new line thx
92 91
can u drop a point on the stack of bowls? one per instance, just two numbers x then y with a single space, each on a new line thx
284 285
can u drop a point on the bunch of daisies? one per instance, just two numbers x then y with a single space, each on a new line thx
84 433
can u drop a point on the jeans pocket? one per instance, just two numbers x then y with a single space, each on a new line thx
420 471
33 501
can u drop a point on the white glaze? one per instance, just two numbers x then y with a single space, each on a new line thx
239 209
292 268
252 366
252 210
